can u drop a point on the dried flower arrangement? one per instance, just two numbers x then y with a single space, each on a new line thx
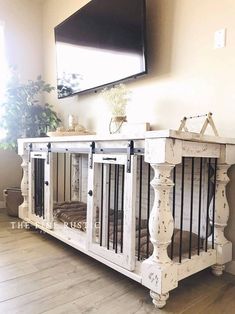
118 97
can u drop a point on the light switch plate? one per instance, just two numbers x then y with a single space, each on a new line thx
220 38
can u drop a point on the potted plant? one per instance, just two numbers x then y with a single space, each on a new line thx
117 97
24 112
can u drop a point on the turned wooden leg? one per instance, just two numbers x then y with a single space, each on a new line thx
217 270
159 273
159 300
222 245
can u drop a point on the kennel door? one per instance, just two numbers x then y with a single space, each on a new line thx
111 209
40 189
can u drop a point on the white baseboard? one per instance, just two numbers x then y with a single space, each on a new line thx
230 267
2 204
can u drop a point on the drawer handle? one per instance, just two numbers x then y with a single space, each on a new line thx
109 158
90 193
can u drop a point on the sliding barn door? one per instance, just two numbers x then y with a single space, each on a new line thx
111 209
40 189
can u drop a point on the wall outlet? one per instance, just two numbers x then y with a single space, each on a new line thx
220 38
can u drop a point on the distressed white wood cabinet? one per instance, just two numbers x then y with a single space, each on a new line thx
152 207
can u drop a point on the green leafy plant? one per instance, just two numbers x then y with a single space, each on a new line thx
24 112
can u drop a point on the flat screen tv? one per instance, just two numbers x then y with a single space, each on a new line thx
101 44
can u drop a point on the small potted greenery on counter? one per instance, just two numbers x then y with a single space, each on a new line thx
24 112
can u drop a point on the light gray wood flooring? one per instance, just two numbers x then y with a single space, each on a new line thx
39 274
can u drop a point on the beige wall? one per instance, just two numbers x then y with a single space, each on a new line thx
23 30
53 14
186 74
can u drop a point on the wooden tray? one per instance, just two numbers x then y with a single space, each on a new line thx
70 133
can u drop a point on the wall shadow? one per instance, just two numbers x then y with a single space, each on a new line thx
160 21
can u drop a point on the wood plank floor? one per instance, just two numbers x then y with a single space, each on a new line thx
39 274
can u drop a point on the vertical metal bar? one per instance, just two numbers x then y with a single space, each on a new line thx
70 177
122 206
182 209
101 203
35 187
213 210
140 205
117 214
38 191
64 177
208 204
148 209
43 187
173 212
109 195
191 209
199 209
57 177
38 188
41 182
114 206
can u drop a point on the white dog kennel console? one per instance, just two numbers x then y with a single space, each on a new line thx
94 194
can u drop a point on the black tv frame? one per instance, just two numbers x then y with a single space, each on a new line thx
125 79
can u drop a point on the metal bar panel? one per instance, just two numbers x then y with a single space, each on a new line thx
140 205
182 209
122 205
208 203
213 210
117 203
114 206
64 177
200 208
42 187
109 196
191 209
70 177
36 192
57 177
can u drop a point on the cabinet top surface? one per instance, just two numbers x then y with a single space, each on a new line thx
188 136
